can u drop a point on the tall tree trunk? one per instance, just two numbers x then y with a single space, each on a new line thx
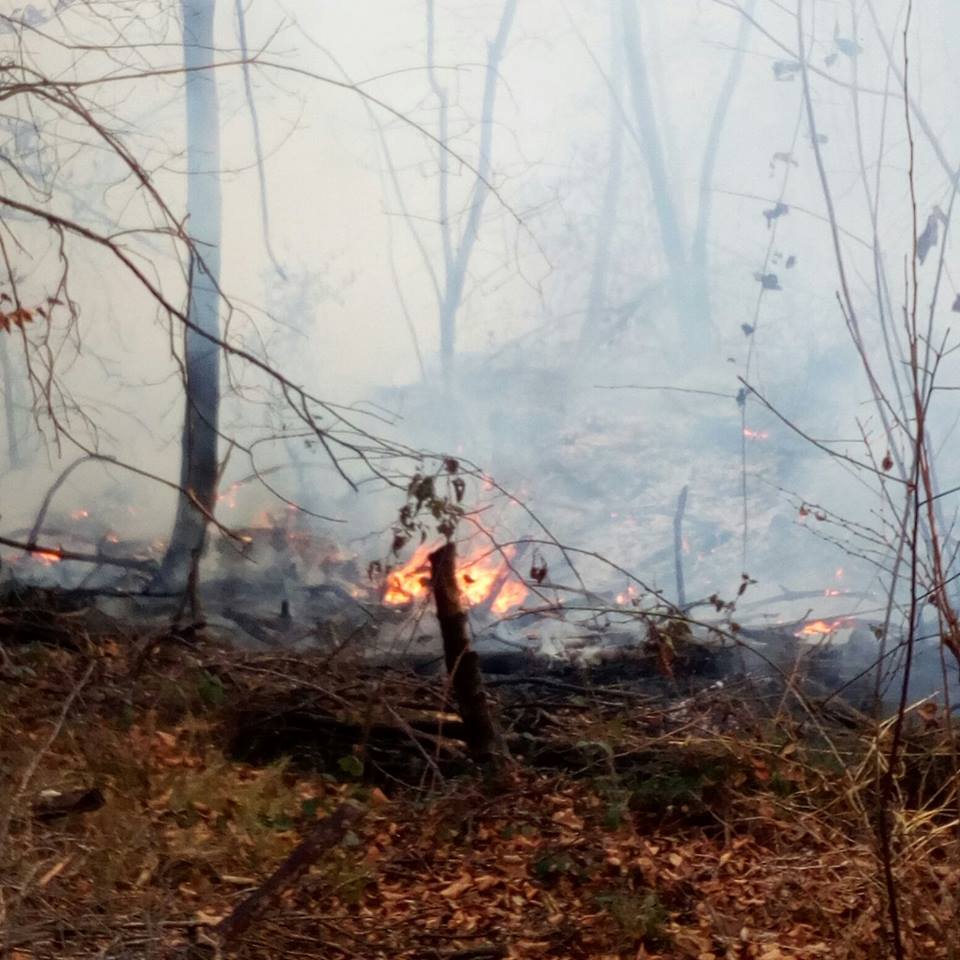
457 266
257 138
700 263
9 410
447 321
198 467
607 223
696 335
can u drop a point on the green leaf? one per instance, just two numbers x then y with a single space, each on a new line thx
350 765
210 689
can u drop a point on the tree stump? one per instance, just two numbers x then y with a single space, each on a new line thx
463 665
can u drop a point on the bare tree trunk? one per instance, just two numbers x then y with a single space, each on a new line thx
463 664
458 260
607 224
257 139
698 338
9 412
700 263
198 467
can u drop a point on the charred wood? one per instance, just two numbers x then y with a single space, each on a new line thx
463 665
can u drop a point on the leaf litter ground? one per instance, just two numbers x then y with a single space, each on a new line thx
700 828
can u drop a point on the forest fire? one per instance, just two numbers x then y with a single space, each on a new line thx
483 579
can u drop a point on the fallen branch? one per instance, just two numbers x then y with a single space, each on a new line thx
126 563
326 834
57 484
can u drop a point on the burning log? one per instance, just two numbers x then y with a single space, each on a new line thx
463 666
56 554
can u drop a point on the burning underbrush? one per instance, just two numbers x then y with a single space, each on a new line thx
277 547
280 582
486 580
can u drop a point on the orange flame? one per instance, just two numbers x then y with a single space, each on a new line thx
755 434
628 596
229 496
821 628
477 579
47 557
511 595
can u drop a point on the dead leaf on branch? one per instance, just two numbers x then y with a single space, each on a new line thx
16 318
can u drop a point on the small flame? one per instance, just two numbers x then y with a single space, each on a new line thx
477 581
628 596
755 434
229 496
80 514
821 628
47 557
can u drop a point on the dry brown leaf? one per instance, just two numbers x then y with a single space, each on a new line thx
16 318
378 798
457 888
210 919
567 818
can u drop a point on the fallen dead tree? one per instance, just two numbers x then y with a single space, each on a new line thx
79 556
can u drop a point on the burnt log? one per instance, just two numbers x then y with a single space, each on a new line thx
482 737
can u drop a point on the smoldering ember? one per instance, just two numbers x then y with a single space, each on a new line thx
479 480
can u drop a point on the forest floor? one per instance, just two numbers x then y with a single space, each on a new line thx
145 794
